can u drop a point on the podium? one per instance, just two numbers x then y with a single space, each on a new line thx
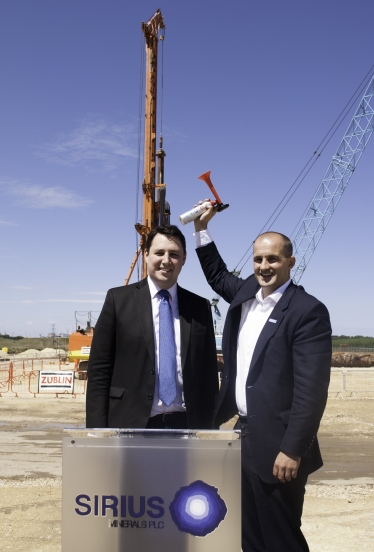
151 491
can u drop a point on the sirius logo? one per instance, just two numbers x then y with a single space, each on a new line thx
198 509
122 506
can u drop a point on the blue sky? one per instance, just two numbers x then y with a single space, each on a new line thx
250 88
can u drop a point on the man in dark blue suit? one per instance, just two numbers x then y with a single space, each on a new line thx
128 359
277 360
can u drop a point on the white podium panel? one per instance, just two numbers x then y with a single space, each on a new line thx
151 491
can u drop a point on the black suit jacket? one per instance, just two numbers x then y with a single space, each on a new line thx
121 369
289 374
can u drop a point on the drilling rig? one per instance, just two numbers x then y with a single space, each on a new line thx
156 210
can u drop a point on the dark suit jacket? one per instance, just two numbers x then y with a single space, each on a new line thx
121 369
289 373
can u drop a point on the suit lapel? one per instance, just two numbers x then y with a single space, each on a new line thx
144 306
184 306
271 327
246 292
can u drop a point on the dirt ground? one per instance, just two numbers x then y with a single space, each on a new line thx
339 505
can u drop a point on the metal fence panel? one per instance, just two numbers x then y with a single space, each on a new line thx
349 349
80 382
21 365
359 381
336 386
16 378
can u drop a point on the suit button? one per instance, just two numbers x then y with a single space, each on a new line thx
152 372
150 397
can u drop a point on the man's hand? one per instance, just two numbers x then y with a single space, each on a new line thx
286 466
201 223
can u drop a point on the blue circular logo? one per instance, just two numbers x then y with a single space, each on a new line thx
197 509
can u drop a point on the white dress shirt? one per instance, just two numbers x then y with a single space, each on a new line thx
158 407
255 313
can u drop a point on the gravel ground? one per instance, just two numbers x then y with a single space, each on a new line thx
339 504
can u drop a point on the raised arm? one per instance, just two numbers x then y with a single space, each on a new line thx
215 270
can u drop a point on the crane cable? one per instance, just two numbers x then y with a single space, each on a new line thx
140 127
336 124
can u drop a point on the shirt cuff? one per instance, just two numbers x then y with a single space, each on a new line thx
203 238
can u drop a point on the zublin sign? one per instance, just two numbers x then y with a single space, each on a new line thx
56 381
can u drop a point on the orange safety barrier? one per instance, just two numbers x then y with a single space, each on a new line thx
4 381
31 364
18 382
22 376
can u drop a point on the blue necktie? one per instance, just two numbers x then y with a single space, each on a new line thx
167 391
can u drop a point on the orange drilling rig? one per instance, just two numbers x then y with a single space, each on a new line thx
156 210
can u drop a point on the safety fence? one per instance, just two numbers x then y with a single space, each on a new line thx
53 376
351 382
350 349
27 364
41 377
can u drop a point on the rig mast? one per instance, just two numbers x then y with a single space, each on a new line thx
155 209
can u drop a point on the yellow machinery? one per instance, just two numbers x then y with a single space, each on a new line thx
80 341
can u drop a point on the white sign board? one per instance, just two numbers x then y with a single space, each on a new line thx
85 350
56 381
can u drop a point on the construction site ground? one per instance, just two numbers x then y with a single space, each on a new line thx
339 504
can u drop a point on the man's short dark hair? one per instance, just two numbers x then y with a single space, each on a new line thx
287 244
170 231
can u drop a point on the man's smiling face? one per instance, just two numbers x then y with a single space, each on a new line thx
165 259
271 267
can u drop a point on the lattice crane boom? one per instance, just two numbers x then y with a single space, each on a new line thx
337 177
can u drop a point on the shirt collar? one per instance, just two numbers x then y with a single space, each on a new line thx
275 296
154 289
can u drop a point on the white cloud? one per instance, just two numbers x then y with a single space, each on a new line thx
29 323
21 287
95 142
39 197
7 223
174 135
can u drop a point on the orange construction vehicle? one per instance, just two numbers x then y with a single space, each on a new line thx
80 342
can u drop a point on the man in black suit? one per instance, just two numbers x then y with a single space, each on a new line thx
139 376
277 360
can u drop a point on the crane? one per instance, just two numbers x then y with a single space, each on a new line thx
325 200
155 208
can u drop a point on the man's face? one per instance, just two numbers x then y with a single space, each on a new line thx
165 259
272 269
